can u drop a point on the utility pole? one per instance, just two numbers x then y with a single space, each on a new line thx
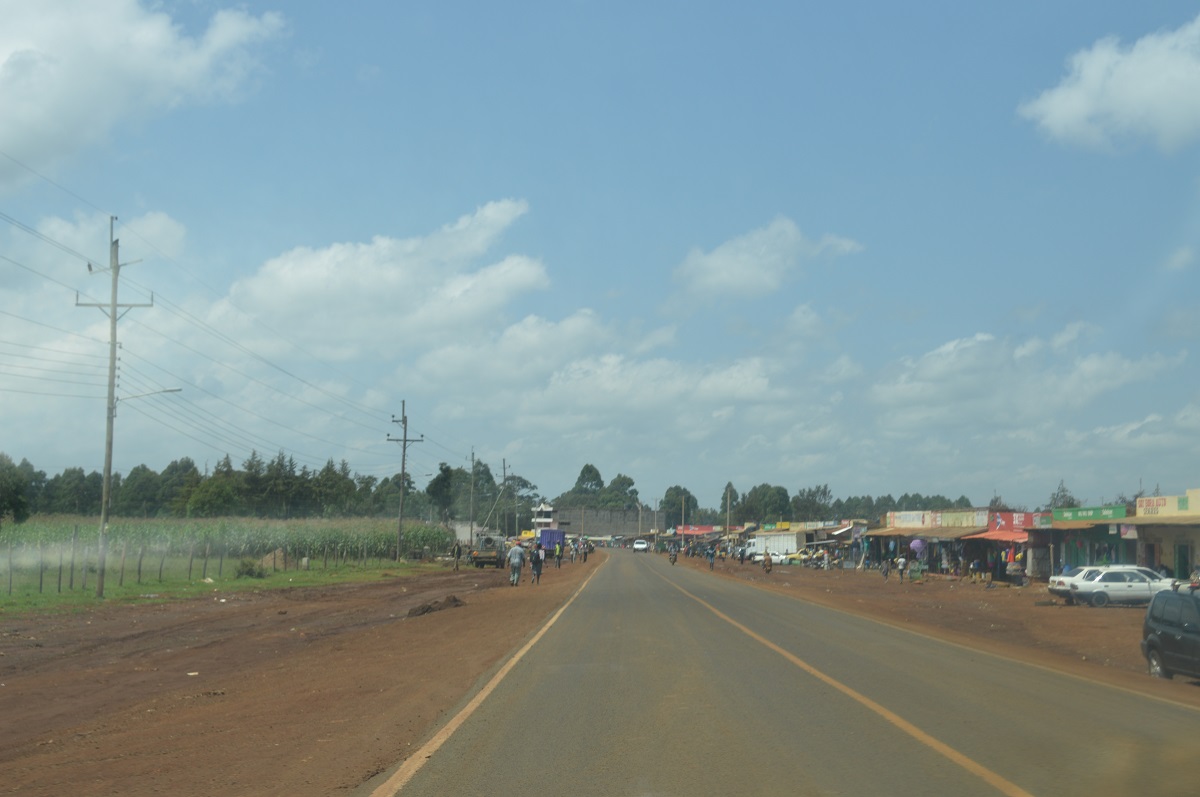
114 265
405 443
727 510
471 504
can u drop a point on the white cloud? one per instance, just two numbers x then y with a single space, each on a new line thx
394 293
73 70
754 264
804 321
1148 90
1070 334
993 384
1181 259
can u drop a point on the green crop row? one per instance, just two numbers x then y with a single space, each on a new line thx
50 562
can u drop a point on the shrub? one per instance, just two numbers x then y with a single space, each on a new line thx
248 568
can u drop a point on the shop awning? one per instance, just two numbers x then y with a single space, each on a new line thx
894 531
842 530
951 533
1000 536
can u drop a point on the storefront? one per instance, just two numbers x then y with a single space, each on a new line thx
1096 535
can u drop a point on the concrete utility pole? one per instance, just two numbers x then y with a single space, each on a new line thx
471 505
114 265
405 443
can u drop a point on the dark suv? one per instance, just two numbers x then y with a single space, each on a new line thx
1171 633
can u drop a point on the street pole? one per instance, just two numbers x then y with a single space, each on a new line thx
405 442
114 265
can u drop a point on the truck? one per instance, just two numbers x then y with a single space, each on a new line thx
487 549
551 537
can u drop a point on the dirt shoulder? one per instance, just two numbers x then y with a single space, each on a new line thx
281 692
315 691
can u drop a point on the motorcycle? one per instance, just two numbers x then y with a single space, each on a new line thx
672 557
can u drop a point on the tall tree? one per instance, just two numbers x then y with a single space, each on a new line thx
1062 498
730 504
14 501
179 479
813 503
678 506
139 493
589 480
620 494
441 491
767 503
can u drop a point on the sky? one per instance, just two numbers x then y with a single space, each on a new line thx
939 248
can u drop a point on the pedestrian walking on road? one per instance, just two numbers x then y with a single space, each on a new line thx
536 560
885 567
558 554
712 556
901 564
516 558
456 552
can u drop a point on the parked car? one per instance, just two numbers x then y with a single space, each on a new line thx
1063 583
1120 585
1171 633
641 545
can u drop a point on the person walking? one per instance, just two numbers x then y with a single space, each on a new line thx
536 560
885 566
901 564
712 556
456 552
516 559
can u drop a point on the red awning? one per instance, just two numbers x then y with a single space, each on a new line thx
1000 536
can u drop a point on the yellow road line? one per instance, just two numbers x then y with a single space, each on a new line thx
1000 783
413 764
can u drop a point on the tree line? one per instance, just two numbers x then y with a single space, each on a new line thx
278 489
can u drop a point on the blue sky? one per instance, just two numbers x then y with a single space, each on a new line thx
949 248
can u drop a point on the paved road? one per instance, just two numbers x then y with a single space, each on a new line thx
660 680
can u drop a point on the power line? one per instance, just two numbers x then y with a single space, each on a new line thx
47 239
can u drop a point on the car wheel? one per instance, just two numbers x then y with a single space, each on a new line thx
1155 664
1100 599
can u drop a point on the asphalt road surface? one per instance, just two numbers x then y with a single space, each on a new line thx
661 680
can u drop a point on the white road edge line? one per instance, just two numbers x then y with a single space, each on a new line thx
400 778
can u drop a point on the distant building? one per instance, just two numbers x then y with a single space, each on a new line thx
544 517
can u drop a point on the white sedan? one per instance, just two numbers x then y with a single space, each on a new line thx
1120 586
1064 585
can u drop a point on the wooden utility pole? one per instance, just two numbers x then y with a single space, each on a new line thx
114 265
405 443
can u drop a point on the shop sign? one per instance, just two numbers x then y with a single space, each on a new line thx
1097 513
